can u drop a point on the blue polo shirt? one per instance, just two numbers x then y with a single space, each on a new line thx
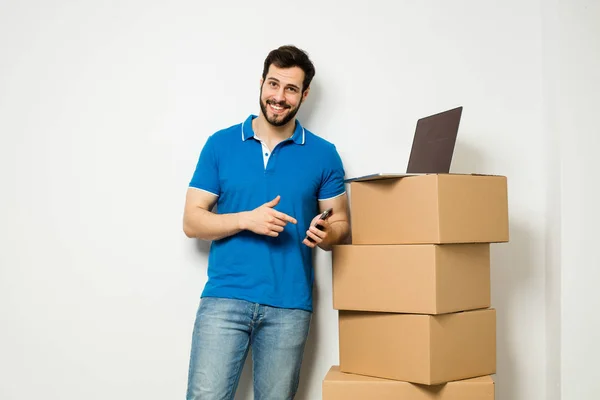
275 271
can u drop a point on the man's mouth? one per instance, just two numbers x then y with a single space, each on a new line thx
277 108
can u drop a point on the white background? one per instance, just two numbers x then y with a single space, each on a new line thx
104 107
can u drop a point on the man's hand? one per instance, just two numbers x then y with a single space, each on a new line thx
264 220
319 228
333 230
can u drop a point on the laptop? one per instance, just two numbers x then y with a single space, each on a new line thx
432 147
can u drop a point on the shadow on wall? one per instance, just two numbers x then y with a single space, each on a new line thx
203 247
307 378
511 270
511 265
466 160
307 110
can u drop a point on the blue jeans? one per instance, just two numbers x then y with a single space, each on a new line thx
224 331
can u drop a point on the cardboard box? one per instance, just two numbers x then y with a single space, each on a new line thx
341 386
427 349
437 208
422 279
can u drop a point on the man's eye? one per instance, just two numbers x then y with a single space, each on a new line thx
273 84
291 89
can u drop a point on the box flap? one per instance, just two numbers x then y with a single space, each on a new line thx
335 375
378 176
399 175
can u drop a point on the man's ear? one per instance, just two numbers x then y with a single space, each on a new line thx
305 94
261 82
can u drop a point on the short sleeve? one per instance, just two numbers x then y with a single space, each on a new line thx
332 183
206 175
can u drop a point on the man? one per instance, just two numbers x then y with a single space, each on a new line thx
270 179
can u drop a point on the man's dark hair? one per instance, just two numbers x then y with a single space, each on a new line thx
290 56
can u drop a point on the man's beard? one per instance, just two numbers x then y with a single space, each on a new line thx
273 120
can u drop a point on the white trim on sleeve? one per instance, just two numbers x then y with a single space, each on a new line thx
329 198
203 190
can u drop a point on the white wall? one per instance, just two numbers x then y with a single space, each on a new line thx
578 87
552 179
104 108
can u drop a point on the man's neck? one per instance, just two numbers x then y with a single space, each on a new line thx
270 133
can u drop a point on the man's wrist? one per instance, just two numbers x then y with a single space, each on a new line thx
241 220
325 246
337 234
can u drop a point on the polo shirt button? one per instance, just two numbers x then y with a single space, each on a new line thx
266 154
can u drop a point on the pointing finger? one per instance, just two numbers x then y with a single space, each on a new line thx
285 217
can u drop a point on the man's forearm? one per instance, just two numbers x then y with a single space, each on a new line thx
338 233
206 225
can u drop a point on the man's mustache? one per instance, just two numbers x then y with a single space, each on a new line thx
278 103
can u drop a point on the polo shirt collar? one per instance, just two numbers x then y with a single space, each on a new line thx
298 137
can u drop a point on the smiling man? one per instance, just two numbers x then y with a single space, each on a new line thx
271 179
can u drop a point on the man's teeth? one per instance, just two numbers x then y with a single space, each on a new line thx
276 107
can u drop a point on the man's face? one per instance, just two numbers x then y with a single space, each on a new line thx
281 94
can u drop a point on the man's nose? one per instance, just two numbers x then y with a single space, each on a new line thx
279 95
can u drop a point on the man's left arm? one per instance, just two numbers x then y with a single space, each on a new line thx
332 194
339 221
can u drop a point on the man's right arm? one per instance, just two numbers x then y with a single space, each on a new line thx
200 222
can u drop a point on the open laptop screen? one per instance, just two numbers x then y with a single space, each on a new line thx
433 143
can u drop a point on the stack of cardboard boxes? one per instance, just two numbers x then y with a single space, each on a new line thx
413 289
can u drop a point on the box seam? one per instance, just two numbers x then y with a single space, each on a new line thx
436 282
430 348
438 202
